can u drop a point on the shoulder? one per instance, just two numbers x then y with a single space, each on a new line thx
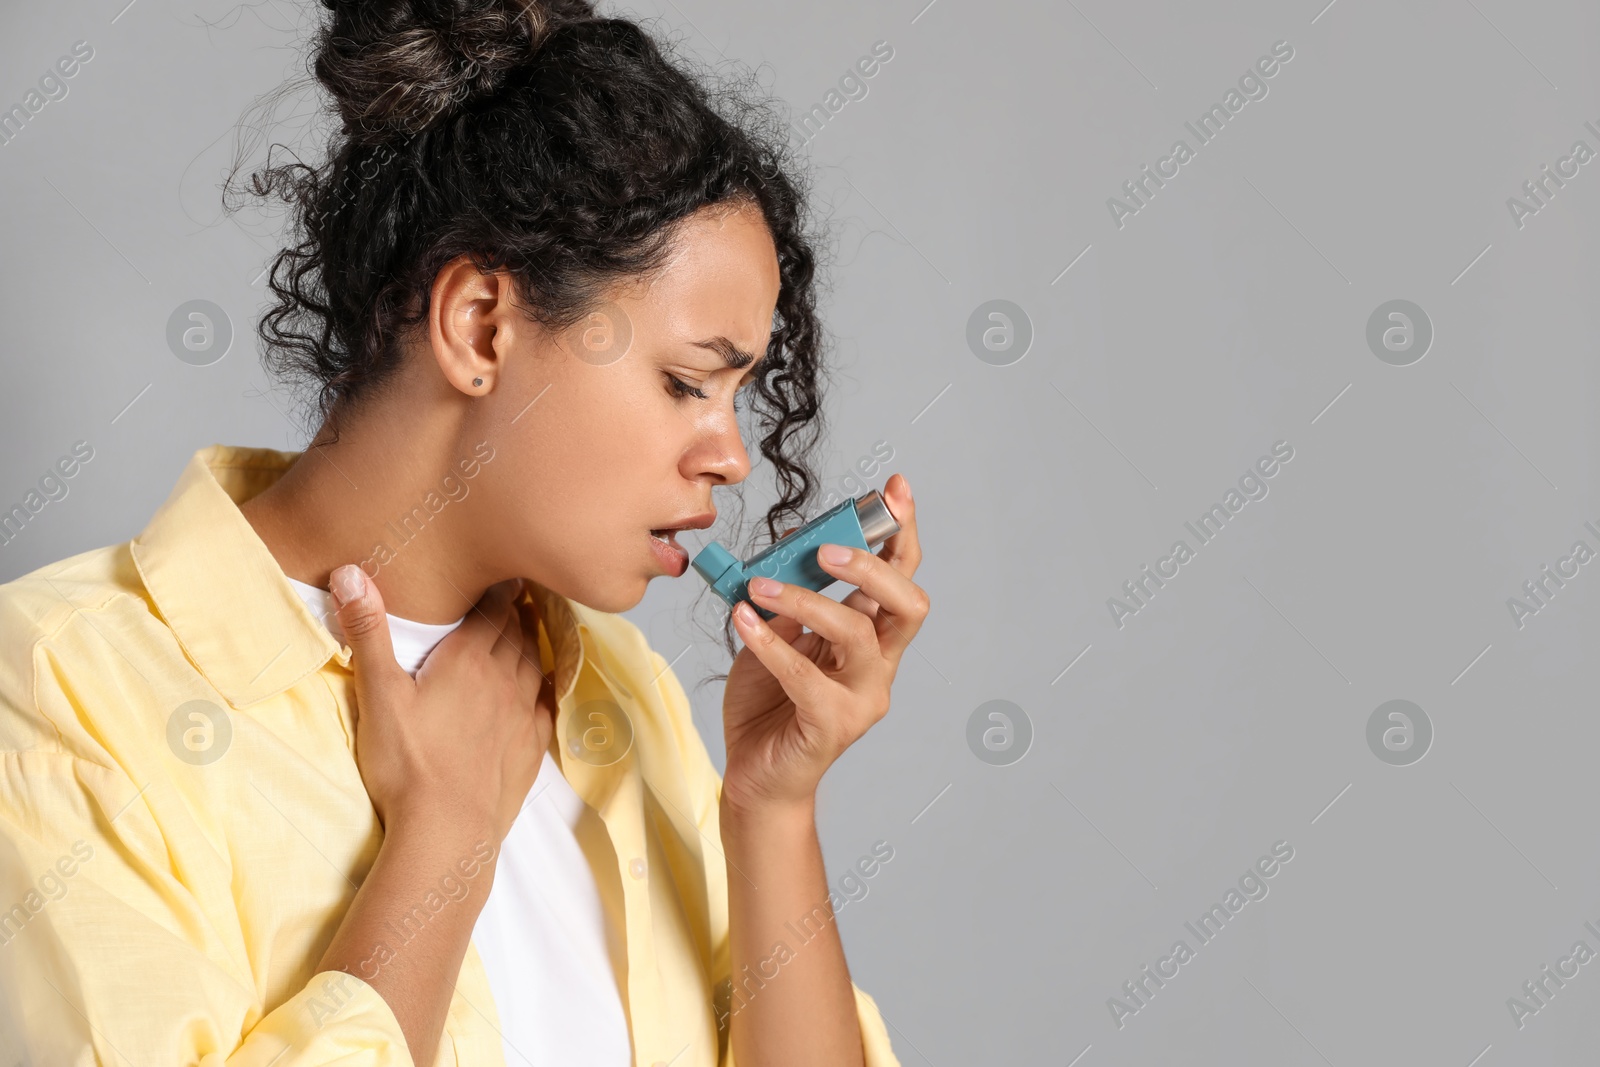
69 623
41 602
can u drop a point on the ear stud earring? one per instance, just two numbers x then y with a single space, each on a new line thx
477 381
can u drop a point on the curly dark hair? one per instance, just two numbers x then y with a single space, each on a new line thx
543 139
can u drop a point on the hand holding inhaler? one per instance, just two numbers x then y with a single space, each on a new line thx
814 674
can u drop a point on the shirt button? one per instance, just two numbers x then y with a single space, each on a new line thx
636 867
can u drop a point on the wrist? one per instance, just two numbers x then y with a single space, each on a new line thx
428 813
426 856
768 818
435 828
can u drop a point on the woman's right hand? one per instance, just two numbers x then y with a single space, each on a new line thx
456 749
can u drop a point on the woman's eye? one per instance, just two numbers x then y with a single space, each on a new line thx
680 388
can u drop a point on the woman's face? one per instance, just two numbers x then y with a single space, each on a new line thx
594 448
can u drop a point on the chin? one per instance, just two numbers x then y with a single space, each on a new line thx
605 580
613 598
624 601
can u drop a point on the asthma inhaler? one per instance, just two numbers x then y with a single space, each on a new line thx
862 522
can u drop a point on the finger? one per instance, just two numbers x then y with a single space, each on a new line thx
507 649
861 601
801 679
487 618
902 551
366 631
849 631
530 681
786 628
902 604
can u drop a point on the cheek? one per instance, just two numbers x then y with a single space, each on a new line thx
604 456
595 416
625 440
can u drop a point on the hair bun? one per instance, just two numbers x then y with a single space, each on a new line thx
394 66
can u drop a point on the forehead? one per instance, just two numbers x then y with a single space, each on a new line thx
721 278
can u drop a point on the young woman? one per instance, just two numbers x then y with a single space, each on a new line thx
348 757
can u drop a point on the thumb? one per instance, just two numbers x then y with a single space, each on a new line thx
366 630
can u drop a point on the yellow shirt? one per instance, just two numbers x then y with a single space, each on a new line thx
171 871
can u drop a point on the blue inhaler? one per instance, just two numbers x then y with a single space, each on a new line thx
862 522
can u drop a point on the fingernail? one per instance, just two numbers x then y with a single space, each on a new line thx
907 483
347 583
745 613
765 586
835 554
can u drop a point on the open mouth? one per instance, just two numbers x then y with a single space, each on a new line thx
673 557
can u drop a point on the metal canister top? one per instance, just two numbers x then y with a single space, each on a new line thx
878 523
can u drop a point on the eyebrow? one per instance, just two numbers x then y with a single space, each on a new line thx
735 357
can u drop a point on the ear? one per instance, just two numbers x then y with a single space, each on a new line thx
472 325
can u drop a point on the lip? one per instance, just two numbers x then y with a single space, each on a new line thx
692 522
670 556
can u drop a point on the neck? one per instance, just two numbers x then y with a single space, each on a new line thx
364 500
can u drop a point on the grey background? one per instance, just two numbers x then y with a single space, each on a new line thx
1226 315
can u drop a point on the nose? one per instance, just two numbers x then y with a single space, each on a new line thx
719 451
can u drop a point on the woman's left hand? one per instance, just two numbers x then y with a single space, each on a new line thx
796 700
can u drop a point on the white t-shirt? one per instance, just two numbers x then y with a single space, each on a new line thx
542 934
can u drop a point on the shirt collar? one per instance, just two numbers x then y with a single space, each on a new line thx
231 607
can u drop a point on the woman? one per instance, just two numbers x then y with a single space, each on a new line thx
347 757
